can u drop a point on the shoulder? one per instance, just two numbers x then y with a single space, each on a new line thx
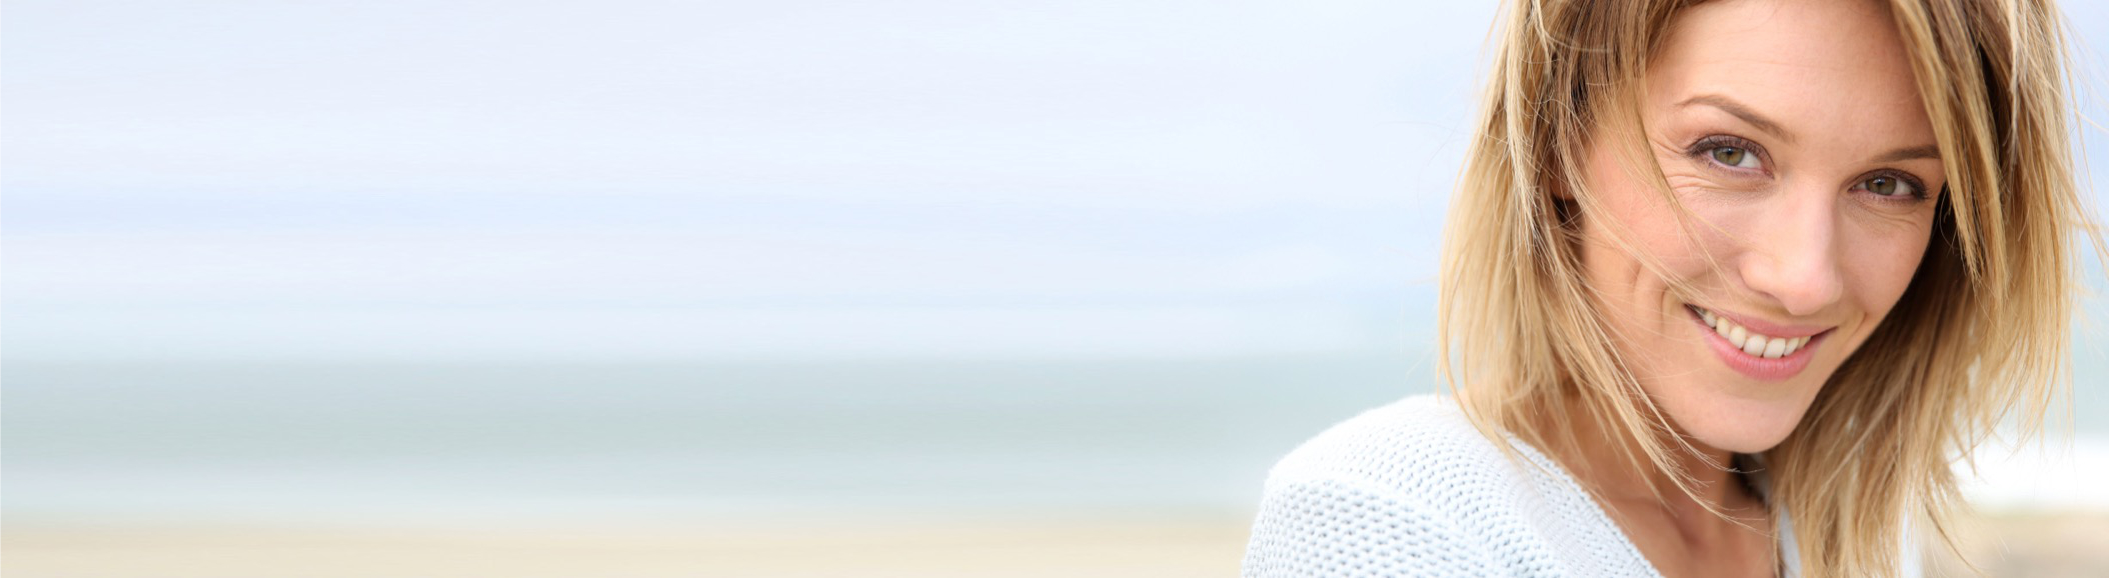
1412 443
1414 488
1378 494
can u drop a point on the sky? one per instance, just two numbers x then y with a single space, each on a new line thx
731 180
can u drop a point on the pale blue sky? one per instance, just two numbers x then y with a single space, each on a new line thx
538 180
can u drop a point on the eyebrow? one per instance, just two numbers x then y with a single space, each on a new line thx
1909 153
1765 124
1743 112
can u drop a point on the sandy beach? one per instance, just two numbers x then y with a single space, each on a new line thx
2028 544
2004 545
1112 549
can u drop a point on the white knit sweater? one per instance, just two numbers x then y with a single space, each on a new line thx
1412 489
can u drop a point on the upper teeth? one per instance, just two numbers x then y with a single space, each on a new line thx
1751 342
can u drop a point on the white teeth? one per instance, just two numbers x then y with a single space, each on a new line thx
1752 343
1755 345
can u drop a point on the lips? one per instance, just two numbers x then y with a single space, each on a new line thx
1756 349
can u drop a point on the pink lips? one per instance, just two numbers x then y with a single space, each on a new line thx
1760 368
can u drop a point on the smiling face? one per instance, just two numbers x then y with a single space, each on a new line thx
1792 134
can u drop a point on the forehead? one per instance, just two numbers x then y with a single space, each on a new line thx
1836 67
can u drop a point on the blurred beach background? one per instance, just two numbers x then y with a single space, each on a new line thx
470 288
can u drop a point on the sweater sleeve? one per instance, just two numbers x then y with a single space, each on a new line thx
1346 527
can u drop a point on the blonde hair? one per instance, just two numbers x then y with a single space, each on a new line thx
1981 330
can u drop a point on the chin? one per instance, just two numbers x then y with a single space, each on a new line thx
1740 426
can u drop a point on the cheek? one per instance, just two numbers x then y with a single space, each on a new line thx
1881 261
1629 216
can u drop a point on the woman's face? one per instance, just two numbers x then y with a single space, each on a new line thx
1792 132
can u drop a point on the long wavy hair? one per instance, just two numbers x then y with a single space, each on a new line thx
1979 336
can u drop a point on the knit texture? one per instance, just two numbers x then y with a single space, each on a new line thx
1412 489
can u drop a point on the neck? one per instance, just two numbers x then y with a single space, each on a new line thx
1615 466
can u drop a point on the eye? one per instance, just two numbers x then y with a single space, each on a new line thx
1737 157
1729 153
1892 186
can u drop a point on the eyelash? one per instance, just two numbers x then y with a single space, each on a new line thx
1918 189
1703 150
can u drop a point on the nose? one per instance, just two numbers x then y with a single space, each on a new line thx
1793 252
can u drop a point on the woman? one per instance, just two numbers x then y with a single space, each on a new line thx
1728 286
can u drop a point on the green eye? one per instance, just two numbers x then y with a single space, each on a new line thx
1723 151
1732 156
1888 186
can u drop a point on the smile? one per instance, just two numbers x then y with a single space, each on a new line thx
1751 342
1778 353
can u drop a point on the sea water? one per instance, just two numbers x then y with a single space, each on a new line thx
439 442
724 442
